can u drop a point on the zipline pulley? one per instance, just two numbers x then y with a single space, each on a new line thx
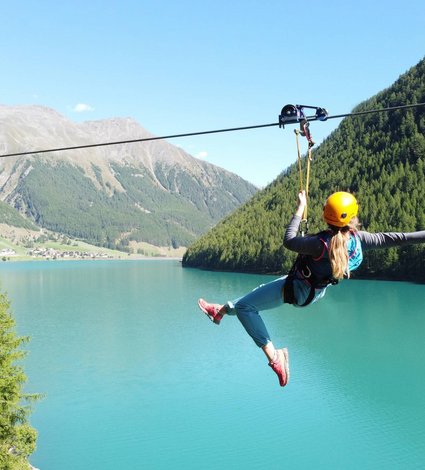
292 114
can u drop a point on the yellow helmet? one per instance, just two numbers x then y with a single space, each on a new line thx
340 208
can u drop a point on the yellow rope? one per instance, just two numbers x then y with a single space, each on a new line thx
299 158
309 159
307 182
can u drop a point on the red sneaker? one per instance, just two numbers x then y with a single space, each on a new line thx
281 366
212 311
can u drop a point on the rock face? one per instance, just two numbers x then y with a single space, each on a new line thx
149 191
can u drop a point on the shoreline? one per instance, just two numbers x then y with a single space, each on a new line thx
124 257
19 246
54 251
20 259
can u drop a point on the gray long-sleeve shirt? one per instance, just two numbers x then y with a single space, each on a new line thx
312 245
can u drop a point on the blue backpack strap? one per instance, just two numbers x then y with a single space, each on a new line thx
356 256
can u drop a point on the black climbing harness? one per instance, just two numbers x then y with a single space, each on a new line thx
301 270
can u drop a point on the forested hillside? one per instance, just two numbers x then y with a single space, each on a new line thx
11 217
61 198
380 157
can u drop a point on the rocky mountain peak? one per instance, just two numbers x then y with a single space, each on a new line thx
153 188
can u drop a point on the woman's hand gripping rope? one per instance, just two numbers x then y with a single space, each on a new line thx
302 203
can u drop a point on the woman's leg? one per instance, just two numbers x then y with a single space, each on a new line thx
247 308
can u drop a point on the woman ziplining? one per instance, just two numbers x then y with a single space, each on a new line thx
323 259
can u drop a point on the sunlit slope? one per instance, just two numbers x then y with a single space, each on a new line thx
380 157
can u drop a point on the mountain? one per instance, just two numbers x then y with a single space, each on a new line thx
378 156
110 196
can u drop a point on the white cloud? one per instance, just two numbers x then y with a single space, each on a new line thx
202 154
82 108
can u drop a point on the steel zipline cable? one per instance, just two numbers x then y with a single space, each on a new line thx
383 110
216 131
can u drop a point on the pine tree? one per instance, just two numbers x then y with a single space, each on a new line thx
17 437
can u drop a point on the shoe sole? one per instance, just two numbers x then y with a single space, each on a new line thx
286 355
206 312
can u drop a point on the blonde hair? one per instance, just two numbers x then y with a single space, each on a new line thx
338 253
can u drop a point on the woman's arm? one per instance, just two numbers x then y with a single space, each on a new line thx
308 245
370 241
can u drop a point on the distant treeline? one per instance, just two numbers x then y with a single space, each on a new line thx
380 157
62 198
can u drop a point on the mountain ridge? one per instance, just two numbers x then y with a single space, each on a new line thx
151 191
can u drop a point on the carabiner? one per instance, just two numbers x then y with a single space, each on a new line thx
303 228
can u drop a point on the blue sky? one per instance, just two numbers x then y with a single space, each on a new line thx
187 66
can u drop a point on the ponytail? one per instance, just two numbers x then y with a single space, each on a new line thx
338 253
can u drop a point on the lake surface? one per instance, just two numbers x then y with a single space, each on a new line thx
136 377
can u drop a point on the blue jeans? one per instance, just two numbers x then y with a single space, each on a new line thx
265 297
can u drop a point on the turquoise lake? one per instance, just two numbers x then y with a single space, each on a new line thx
136 377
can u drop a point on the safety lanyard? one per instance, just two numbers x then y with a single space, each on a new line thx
306 133
291 114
